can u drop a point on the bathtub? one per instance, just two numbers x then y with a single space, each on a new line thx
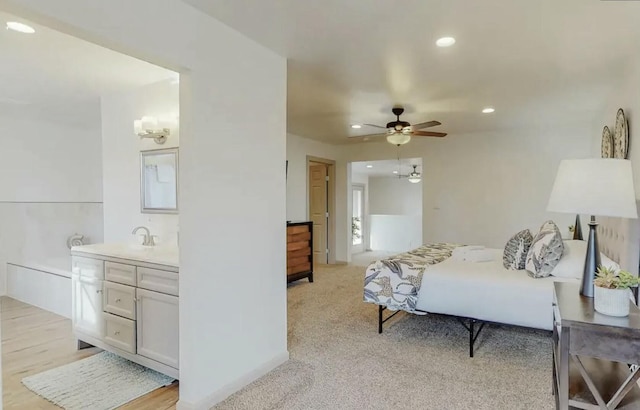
45 284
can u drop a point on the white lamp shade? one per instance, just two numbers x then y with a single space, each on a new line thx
600 187
398 138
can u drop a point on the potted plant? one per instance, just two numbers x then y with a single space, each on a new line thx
611 291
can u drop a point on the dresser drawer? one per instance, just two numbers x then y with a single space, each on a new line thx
158 280
296 229
120 300
120 332
299 237
120 273
87 267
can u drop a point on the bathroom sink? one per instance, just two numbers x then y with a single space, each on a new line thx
138 247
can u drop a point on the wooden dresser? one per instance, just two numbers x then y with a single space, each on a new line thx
299 251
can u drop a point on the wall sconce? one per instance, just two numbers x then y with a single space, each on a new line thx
147 127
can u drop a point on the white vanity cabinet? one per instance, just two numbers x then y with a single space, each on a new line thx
127 306
86 305
86 295
157 326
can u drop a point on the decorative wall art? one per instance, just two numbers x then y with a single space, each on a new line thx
607 143
621 136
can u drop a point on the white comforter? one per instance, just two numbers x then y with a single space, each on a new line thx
487 291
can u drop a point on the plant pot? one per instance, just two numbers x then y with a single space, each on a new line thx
611 302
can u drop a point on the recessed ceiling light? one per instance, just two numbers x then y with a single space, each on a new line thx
356 126
488 110
395 172
20 28
445 42
369 166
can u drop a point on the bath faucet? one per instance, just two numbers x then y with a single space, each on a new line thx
148 238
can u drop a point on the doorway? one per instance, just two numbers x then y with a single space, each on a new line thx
321 201
388 218
358 220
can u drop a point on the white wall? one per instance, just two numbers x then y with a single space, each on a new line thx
395 207
397 233
50 187
624 95
66 157
232 181
121 159
484 187
394 196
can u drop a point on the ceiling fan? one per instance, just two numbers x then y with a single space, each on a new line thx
400 132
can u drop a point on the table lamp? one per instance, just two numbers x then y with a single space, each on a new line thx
596 187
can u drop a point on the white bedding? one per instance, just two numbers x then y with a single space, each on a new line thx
487 291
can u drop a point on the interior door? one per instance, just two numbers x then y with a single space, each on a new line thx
318 210
87 305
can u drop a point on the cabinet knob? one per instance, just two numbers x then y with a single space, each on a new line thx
116 333
98 290
118 300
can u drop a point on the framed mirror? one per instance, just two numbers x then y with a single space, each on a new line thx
159 181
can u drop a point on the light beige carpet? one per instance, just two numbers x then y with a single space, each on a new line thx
338 360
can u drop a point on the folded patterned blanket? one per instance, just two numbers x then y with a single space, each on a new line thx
395 282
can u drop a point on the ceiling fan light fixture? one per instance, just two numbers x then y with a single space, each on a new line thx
398 138
414 177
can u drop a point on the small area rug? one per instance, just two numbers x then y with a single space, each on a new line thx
101 382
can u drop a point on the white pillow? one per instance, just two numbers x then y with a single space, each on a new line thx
571 264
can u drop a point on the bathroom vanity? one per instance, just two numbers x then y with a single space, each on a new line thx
125 300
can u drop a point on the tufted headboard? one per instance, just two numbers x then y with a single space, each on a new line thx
619 239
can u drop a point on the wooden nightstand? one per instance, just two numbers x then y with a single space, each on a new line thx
591 353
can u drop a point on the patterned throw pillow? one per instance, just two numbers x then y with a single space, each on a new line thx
515 252
545 251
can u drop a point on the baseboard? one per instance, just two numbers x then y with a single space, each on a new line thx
227 390
341 263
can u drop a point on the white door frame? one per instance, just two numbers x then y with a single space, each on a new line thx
363 220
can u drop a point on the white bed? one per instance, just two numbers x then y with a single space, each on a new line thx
487 292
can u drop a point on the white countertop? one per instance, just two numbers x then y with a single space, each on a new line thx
161 255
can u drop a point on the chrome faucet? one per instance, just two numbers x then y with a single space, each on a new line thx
148 238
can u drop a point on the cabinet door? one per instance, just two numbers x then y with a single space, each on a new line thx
157 325
87 267
86 305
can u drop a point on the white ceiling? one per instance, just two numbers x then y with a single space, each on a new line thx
536 61
385 168
62 77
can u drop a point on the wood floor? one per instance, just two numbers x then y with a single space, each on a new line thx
35 340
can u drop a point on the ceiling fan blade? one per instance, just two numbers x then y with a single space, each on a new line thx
429 133
361 137
427 124
375 126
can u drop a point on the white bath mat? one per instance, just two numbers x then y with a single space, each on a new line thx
101 382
